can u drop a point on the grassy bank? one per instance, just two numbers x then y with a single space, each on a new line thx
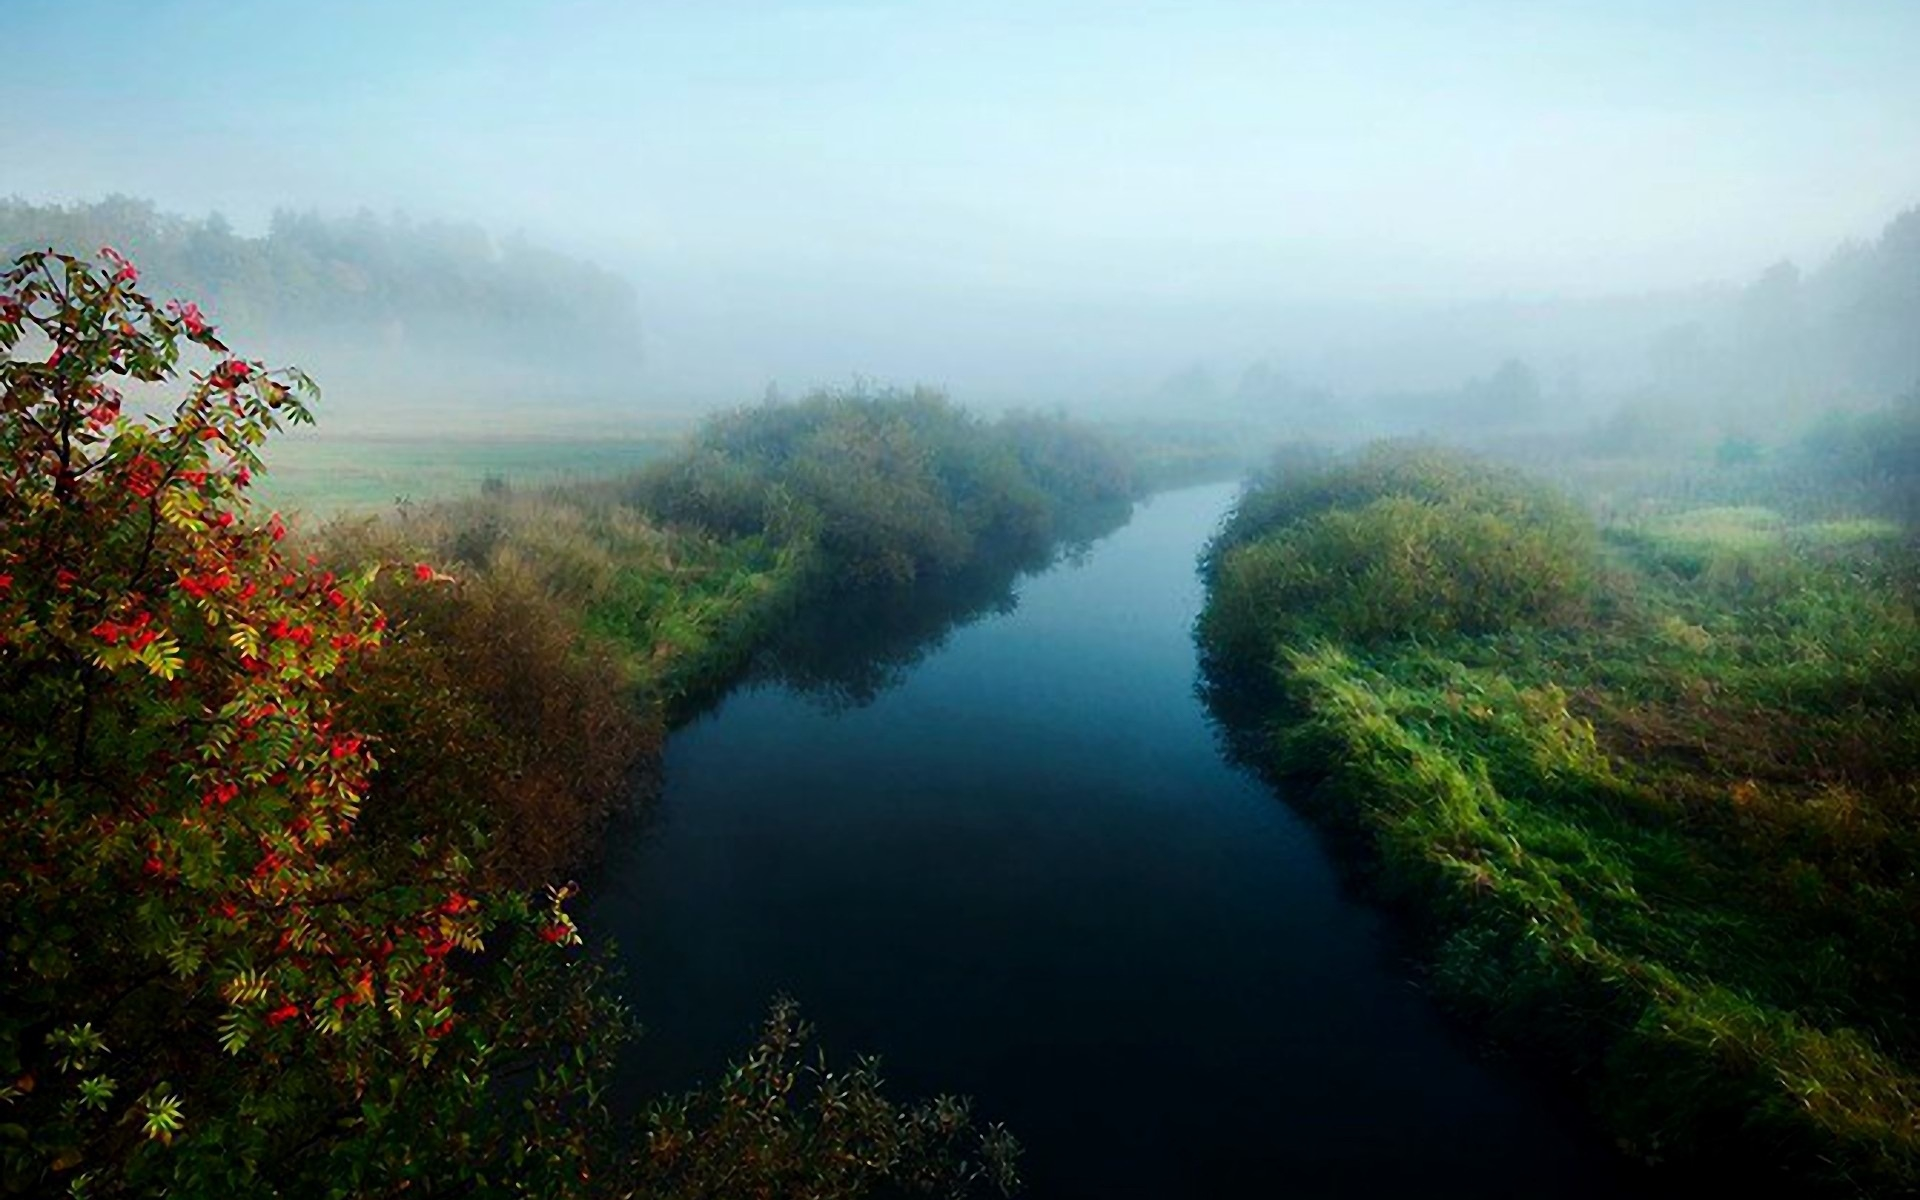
1650 791
586 618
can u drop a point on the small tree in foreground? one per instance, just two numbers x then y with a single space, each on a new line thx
208 980
208 983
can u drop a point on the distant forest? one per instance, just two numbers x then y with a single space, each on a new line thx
397 316
367 298
1848 325
1775 351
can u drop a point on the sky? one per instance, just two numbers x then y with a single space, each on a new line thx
1000 190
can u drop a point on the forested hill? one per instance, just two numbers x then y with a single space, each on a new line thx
1758 357
369 304
1844 327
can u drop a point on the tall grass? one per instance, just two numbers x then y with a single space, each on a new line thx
1662 830
1402 541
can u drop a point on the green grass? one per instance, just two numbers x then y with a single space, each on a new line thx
326 475
691 626
1729 527
1671 844
1851 531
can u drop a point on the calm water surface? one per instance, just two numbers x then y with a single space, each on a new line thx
1025 872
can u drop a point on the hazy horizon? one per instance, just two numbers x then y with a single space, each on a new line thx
1023 202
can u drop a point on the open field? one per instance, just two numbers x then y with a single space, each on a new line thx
322 475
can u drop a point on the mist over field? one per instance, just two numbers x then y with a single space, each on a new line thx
1212 210
1264 598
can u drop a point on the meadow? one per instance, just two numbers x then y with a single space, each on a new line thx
1647 788
323 474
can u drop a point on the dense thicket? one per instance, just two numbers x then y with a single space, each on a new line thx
888 485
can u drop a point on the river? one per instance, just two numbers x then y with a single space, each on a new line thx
1014 863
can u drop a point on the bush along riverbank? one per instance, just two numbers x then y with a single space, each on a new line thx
582 622
1652 793
275 900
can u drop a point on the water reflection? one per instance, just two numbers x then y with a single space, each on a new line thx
847 652
1018 868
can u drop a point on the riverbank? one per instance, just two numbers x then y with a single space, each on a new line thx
585 620
1649 796
987 834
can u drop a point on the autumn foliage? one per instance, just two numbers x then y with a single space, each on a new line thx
229 963
205 972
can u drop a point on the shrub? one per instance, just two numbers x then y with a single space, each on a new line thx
1305 484
1400 542
788 1127
208 971
891 486
492 708
492 705
1874 456
1072 464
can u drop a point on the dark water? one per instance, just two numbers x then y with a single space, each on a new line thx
1025 872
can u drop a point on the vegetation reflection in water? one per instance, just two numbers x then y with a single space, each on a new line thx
1021 869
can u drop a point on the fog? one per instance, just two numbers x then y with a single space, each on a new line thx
1126 209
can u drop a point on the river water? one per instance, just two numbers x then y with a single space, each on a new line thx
1000 847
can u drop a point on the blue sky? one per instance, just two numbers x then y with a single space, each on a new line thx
860 156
